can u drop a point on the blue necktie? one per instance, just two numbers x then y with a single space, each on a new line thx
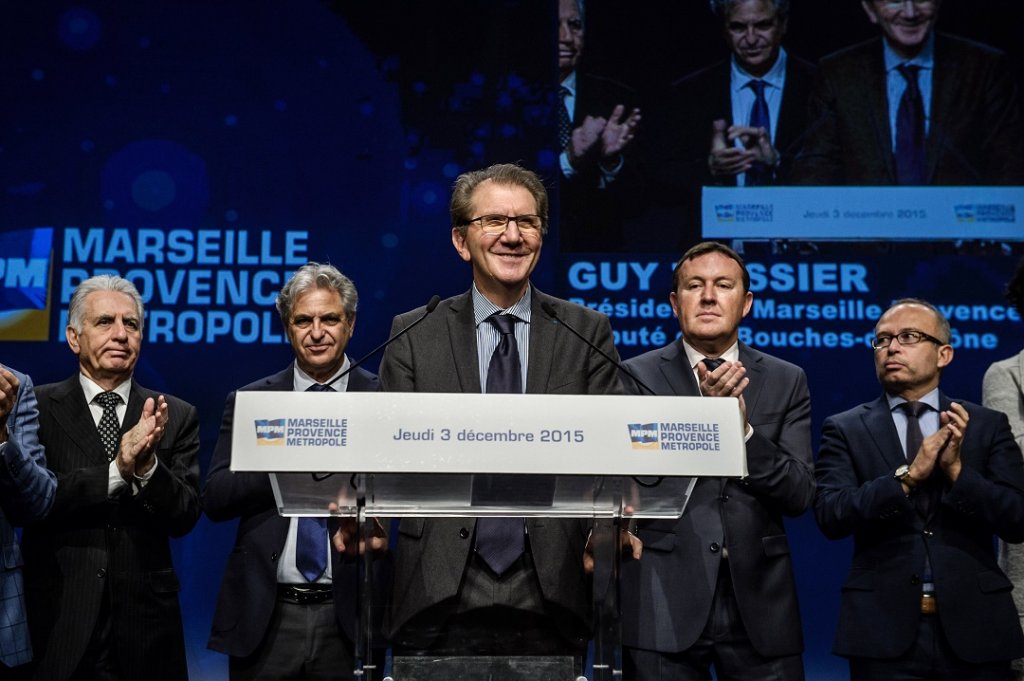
759 174
499 541
311 538
910 153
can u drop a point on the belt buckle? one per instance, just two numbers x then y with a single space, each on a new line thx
929 605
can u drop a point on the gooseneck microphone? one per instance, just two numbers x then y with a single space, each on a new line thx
550 311
430 308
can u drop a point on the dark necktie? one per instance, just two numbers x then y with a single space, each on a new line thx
311 538
713 363
499 541
928 490
913 410
564 124
909 153
109 427
759 118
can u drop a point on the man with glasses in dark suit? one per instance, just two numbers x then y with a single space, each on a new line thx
923 484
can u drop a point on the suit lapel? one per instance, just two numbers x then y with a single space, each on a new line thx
944 104
72 415
874 75
462 332
755 370
877 420
543 332
675 367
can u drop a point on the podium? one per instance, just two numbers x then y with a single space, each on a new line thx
607 458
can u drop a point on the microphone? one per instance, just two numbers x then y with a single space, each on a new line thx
431 305
550 311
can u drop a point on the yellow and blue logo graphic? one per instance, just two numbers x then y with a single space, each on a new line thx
643 435
25 276
270 432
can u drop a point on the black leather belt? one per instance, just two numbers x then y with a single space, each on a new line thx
305 594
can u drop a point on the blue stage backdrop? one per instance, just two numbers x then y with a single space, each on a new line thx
204 150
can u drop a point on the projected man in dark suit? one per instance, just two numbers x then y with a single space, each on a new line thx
101 589
451 593
914 107
26 494
597 120
283 585
922 484
715 588
737 122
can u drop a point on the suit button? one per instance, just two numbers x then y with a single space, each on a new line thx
101 573
725 498
929 533
464 533
273 556
915 580
714 547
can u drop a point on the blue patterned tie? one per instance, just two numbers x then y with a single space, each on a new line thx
499 541
311 538
759 174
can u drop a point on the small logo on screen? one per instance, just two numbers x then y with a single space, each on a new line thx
270 432
985 212
643 435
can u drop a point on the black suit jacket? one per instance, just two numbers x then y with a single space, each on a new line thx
858 495
248 591
91 546
975 129
667 595
591 215
678 140
440 356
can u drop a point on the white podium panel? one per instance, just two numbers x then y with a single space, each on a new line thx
475 433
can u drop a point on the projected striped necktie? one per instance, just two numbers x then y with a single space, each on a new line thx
909 153
759 118
499 541
311 538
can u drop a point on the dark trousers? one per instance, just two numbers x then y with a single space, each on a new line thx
302 643
929 659
494 615
723 644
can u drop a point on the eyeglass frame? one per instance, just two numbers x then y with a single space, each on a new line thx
508 219
912 333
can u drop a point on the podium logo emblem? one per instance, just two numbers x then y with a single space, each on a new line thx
643 435
270 432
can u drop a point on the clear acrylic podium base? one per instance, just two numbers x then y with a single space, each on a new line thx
478 668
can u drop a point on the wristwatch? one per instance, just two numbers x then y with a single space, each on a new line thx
903 475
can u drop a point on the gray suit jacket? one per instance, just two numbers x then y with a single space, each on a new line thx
1001 390
26 494
667 595
440 356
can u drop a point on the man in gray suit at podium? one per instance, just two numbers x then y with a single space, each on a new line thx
495 586
716 586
